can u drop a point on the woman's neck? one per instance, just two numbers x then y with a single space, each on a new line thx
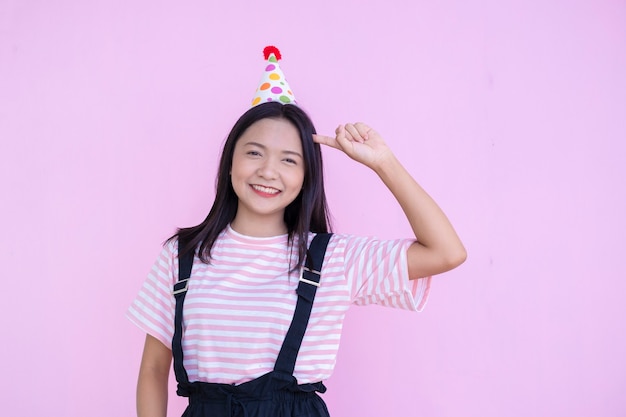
259 229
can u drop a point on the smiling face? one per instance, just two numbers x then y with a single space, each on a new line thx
267 174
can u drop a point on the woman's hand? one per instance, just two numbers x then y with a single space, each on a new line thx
437 248
360 142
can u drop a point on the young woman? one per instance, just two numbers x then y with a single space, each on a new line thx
249 339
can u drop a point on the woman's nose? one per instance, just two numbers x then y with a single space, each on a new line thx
268 170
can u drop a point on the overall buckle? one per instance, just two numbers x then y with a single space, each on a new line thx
312 271
178 288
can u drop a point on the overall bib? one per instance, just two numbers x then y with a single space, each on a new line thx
275 394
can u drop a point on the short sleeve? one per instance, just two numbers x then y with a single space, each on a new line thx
153 308
377 273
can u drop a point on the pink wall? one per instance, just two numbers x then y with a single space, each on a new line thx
511 113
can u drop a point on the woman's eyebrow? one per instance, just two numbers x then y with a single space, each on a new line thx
251 143
259 145
292 153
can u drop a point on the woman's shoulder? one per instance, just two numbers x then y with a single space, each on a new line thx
168 253
170 246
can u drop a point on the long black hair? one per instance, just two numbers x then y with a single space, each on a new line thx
307 213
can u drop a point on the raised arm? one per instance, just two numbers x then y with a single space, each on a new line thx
437 248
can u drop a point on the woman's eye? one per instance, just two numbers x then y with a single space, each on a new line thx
290 161
253 153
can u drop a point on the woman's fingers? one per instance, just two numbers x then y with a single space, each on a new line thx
347 136
344 138
326 140
363 129
357 133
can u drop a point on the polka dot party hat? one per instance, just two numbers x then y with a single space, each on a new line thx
273 85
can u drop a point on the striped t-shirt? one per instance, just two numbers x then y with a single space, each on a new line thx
238 308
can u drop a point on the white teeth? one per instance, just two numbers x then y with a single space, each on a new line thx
266 190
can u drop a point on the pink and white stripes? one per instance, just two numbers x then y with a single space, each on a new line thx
238 308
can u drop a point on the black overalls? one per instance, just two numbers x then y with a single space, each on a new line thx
275 394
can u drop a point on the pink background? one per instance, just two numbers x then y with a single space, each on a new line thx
511 113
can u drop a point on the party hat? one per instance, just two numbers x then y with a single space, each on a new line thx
273 85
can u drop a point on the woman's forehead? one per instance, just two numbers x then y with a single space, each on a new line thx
272 134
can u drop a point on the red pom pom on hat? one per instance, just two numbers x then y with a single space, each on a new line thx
270 49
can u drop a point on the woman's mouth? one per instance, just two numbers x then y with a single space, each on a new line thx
260 189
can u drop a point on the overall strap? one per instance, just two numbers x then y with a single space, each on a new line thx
307 287
185 264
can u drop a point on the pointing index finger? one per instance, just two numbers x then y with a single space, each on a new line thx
325 140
